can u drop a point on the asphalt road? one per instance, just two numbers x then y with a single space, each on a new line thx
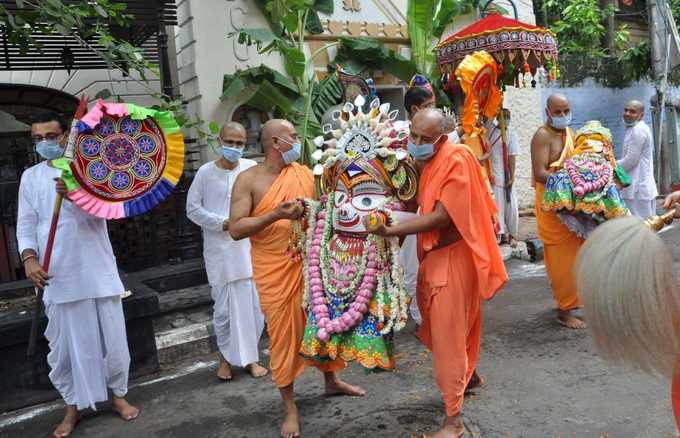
542 381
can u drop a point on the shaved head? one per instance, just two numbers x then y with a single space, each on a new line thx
427 128
636 104
234 127
557 99
633 111
233 135
275 128
429 122
558 109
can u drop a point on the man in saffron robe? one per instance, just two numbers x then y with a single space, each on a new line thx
460 261
551 146
264 201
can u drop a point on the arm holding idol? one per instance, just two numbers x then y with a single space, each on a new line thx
455 224
265 199
552 144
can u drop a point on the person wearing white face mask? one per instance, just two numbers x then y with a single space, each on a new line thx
638 161
86 326
551 146
237 318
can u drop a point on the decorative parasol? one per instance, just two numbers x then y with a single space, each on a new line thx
517 47
126 160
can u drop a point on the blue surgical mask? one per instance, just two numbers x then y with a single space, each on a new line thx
49 149
421 152
231 154
630 124
291 154
560 122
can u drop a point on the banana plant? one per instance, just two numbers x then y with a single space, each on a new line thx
297 95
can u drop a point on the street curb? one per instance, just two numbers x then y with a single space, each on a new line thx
191 340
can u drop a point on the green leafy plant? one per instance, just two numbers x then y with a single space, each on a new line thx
298 96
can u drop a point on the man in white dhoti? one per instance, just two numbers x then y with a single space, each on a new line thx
637 159
86 327
508 212
237 318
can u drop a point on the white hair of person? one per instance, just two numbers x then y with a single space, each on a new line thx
625 281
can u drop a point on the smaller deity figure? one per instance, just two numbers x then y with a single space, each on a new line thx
586 191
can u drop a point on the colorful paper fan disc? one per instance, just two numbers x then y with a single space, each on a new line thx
126 160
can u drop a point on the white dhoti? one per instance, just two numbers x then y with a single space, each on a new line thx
408 258
88 350
642 208
508 212
238 321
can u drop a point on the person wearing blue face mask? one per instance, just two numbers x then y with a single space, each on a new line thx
86 327
460 261
551 146
637 159
237 318
264 204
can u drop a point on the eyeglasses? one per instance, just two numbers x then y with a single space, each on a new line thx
238 144
49 137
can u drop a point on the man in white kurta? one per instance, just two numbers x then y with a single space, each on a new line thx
237 318
508 212
637 159
82 295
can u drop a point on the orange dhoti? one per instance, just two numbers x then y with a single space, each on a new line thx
279 279
675 392
453 279
560 249
451 326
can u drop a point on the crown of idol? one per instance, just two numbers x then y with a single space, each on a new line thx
371 141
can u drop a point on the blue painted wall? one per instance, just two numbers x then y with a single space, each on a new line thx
593 102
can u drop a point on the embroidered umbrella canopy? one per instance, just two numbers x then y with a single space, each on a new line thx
520 49
125 160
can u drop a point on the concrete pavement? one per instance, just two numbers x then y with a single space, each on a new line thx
541 381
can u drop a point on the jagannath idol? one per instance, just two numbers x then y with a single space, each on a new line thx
585 190
354 288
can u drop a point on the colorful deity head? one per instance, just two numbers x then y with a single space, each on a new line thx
363 170
364 166
595 138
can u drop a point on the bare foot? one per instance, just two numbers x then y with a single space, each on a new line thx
338 387
126 411
224 370
67 425
453 428
256 370
476 381
565 318
291 423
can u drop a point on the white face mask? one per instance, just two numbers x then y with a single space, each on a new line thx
560 122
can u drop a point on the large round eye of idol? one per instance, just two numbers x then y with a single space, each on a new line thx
368 196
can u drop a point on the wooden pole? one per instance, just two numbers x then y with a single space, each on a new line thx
68 153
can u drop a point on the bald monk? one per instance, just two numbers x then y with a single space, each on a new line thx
551 146
262 207
637 158
460 261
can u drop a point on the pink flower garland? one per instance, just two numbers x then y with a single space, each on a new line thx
358 308
581 187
